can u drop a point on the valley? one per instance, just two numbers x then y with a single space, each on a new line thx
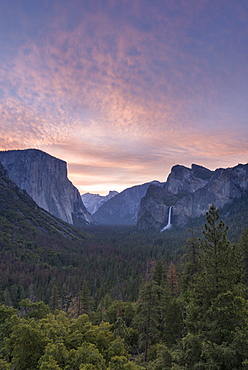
126 291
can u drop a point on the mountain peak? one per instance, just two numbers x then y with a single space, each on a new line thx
191 191
187 180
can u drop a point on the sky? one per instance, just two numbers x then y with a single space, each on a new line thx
122 90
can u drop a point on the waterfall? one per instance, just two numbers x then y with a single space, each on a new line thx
169 225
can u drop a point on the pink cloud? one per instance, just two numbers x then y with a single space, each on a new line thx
127 91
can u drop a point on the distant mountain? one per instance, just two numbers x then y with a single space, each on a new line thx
123 208
190 192
44 178
93 202
44 258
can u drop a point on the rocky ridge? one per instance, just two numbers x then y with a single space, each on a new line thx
191 191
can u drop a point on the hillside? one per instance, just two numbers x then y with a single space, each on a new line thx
31 240
108 289
40 253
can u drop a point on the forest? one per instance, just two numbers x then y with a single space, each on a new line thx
121 299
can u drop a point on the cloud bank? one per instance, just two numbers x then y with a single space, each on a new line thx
124 90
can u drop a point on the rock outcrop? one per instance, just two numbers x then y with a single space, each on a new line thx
183 180
191 192
44 178
94 201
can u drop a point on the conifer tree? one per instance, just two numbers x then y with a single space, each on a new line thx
173 280
190 262
158 275
151 308
55 300
217 312
147 318
219 256
243 243
218 269
86 300
6 298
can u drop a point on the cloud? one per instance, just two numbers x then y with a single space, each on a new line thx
124 90
143 160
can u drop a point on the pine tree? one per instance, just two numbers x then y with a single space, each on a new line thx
218 269
86 300
147 319
243 243
173 280
55 300
217 312
151 307
158 275
6 298
190 262
219 256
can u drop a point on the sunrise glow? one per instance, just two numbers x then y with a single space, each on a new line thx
123 90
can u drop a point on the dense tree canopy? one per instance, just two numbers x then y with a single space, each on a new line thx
124 301
216 313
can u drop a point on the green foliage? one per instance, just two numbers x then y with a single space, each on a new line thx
45 259
4 365
55 341
190 260
235 215
94 301
36 310
163 358
8 318
158 314
217 310
73 273
25 345
219 270
147 319
87 354
243 245
121 363
55 356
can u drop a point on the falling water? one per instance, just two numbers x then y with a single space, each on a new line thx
168 226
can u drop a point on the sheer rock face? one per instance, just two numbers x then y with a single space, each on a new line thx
153 209
191 192
184 180
44 178
9 192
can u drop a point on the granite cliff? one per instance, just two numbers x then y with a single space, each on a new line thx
44 178
191 191
22 218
